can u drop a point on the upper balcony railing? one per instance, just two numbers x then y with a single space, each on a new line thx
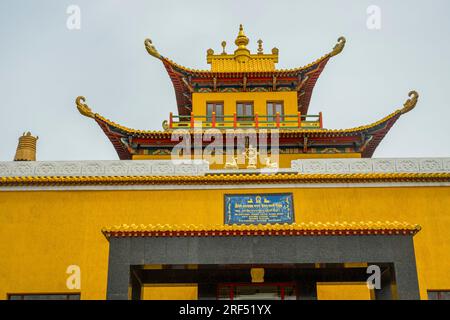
276 121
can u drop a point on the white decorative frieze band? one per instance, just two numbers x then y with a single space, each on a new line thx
103 168
201 167
380 165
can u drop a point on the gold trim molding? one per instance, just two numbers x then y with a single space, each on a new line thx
224 179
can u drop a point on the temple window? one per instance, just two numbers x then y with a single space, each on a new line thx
216 107
272 108
244 111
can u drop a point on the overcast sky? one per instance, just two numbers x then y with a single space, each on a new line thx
44 66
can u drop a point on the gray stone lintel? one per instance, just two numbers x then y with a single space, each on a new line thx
130 251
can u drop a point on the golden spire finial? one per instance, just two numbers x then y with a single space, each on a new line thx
242 54
241 39
260 48
26 149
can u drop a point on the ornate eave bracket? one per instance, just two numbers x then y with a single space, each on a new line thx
338 47
83 108
151 49
411 102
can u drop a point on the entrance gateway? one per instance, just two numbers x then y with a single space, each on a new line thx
227 262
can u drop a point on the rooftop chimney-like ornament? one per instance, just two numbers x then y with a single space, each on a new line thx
26 149
260 48
224 44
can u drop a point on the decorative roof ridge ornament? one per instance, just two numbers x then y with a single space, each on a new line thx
83 108
411 102
151 49
237 61
241 54
260 47
338 47
223 44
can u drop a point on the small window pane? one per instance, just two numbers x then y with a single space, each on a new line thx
34 297
244 111
44 297
279 109
240 109
209 109
439 295
216 107
219 110
272 109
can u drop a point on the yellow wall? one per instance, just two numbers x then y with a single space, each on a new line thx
170 292
43 232
259 101
343 291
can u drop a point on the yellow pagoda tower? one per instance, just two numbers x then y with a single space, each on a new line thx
246 94
243 194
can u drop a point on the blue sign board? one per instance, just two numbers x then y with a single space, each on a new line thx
259 208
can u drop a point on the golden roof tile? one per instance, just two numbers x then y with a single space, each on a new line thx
295 229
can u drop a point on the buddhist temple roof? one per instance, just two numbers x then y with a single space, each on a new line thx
295 229
241 60
369 136
243 71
